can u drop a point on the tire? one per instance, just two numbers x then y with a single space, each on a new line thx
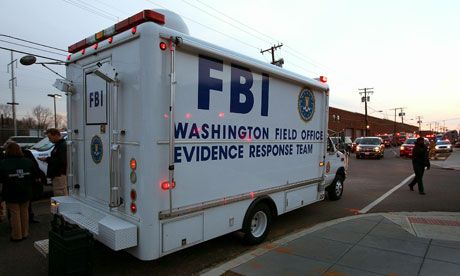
357 156
335 190
257 224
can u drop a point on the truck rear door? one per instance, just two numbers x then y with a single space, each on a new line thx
97 136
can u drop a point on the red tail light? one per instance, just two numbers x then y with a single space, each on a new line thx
133 208
166 186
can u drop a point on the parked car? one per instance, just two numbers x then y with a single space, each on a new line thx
443 146
408 146
24 142
387 139
370 147
355 143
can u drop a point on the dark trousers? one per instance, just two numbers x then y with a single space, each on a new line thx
418 179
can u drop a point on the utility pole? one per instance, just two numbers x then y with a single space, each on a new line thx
401 114
272 49
419 121
13 84
365 99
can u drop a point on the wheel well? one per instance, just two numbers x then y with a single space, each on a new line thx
341 172
266 200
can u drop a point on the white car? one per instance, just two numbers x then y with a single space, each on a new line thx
23 141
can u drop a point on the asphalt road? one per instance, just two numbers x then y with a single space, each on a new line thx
367 180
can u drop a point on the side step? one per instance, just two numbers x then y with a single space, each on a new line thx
109 230
42 247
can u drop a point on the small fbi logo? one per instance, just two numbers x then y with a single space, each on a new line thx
306 105
96 149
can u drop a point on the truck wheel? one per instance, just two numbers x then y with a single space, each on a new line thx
335 190
257 224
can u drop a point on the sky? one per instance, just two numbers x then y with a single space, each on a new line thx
408 51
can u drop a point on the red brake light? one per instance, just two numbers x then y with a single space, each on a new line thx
68 57
83 51
133 194
95 46
110 40
133 208
165 185
163 46
323 79
133 30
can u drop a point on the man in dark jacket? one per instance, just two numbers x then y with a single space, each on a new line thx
419 162
57 163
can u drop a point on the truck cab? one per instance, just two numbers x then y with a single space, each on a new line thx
335 171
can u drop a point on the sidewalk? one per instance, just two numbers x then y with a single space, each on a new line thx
374 244
452 162
371 244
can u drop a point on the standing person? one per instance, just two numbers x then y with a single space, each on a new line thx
419 162
17 174
57 163
37 190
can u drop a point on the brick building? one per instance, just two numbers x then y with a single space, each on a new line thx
353 124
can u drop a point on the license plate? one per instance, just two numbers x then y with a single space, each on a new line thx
367 153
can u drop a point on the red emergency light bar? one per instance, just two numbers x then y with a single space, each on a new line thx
137 19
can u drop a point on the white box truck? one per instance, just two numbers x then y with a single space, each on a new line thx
173 141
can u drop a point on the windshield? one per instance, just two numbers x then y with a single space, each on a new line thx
370 141
335 140
44 145
410 141
385 137
442 143
358 140
26 139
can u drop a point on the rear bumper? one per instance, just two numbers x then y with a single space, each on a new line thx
115 233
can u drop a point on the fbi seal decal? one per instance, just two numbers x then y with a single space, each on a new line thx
96 149
306 105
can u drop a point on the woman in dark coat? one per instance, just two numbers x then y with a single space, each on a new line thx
17 174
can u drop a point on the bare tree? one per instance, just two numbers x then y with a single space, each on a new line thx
28 122
5 110
61 121
43 116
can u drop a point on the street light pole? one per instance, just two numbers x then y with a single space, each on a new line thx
54 96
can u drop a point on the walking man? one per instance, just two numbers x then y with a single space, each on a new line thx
57 163
419 162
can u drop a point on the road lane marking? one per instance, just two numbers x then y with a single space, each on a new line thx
380 199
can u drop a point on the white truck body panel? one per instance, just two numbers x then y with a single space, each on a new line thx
243 130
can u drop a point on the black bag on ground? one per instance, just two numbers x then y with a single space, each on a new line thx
70 249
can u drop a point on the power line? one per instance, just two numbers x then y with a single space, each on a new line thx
26 53
30 47
83 7
31 42
210 14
